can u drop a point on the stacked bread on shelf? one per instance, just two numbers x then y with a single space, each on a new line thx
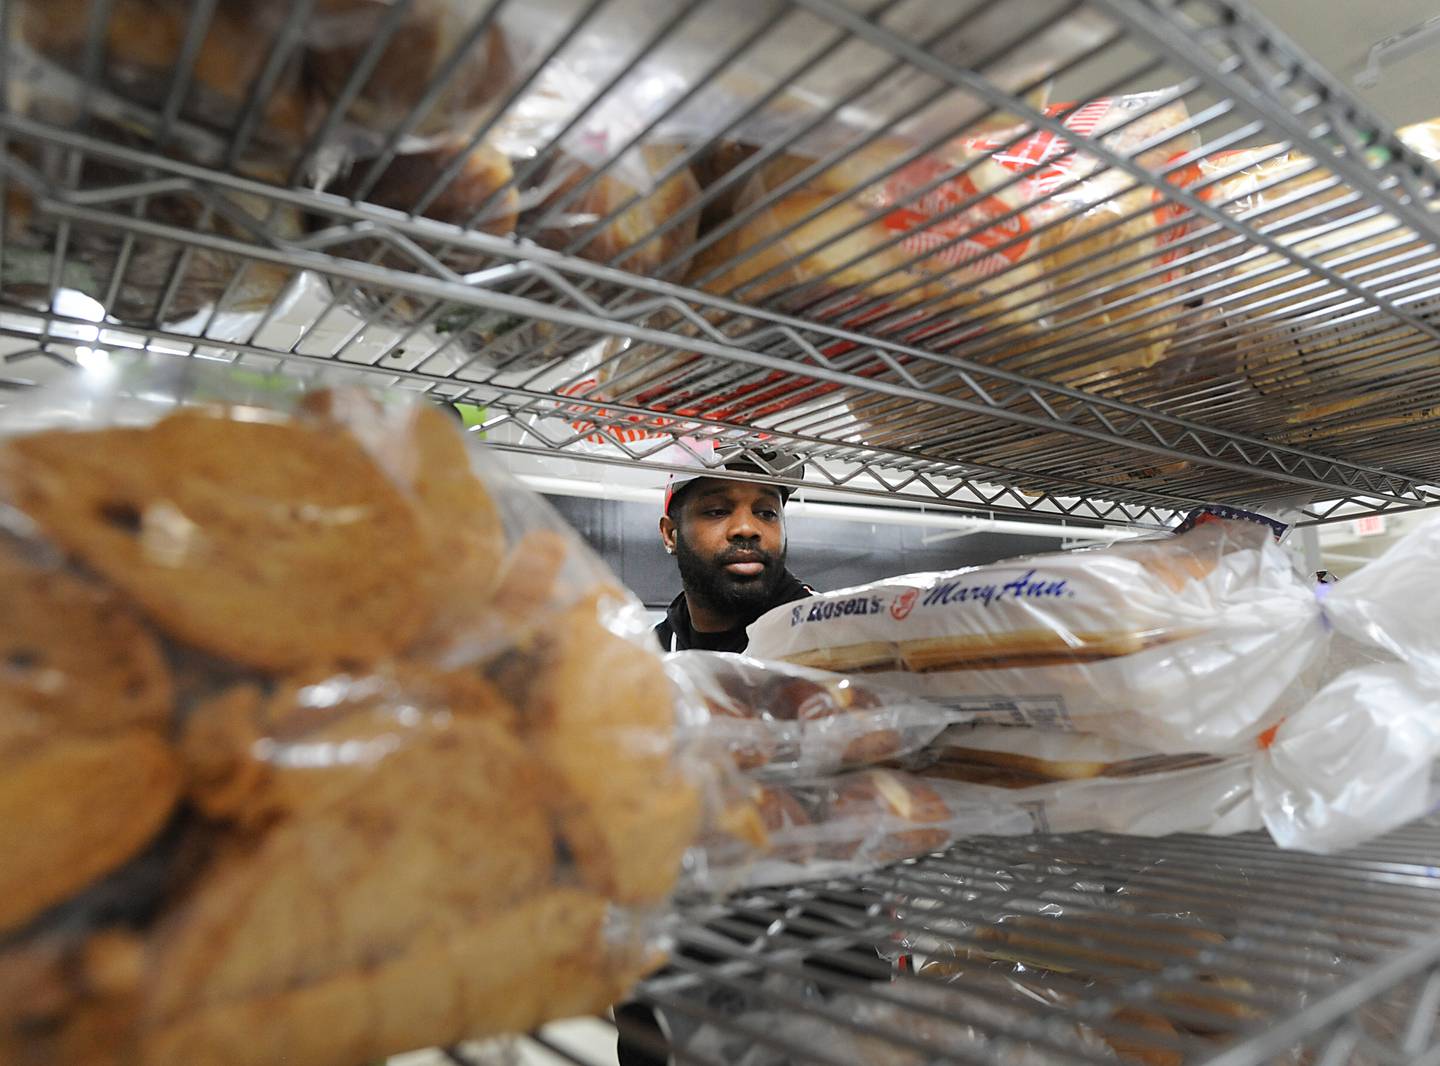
1330 355
960 229
304 754
814 794
454 155
1177 683
126 84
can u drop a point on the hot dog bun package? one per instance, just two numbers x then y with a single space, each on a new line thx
322 739
1188 659
1177 645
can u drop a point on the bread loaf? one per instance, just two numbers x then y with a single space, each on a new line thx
429 33
1180 645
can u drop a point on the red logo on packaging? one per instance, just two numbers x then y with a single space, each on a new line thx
1043 147
904 604
978 235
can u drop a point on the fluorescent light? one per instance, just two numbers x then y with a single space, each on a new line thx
93 360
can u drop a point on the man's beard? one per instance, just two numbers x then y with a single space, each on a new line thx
743 596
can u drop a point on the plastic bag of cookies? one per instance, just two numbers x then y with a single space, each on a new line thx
776 720
307 757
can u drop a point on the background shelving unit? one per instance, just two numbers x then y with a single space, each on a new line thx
1286 372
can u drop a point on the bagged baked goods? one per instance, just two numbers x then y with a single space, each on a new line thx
776 720
1179 644
446 43
144 279
304 755
1318 357
826 827
140 45
1003 243
1353 762
580 200
1195 643
605 215
1020 757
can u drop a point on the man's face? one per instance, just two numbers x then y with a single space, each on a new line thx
729 539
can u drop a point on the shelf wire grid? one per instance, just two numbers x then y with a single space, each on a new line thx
1153 340
1080 948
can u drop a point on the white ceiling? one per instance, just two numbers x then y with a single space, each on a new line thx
1339 33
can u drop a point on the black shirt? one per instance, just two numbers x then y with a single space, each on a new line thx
675 633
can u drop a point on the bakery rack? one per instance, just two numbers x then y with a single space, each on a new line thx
1340 956
1343 429
1301 961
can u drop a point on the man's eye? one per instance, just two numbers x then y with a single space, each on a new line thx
769 516
715 512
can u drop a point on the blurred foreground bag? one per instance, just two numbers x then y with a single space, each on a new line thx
321 739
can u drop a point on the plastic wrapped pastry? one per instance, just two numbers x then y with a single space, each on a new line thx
840 826
776 720
306 759
163 281
986 244
423 39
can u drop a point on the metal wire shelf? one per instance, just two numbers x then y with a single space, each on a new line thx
1128 342
1124 373
1181 950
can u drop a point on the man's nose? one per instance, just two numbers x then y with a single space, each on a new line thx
743 527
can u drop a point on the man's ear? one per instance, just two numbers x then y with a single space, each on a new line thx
667 532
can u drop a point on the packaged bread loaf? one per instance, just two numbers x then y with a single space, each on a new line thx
305 755
1179 644
1194 643
996 244
776 720
1352 763
1320 365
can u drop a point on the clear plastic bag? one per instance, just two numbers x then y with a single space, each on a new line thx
1353 763
1296 199
164 282
777 721
567 206
777 833
1206 644
985 241
424 37
1088 783
141 43
1186 644
307 754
